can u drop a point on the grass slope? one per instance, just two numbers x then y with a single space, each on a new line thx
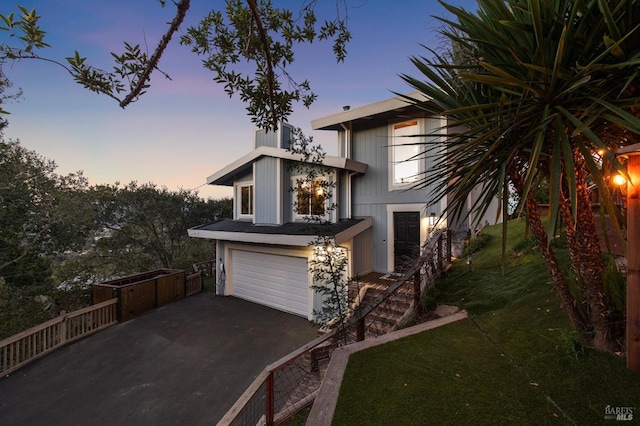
515 361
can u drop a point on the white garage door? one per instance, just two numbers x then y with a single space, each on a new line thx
277 281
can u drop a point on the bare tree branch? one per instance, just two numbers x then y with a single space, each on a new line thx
182 7
269 60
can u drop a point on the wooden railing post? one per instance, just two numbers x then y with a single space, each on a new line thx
270 414
439 254
417 302
449 245
360 330
62 328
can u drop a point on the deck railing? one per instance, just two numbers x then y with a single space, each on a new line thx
193 284
208 268
291 383
29 345
37 341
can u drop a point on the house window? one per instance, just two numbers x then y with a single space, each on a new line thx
311 198
246 200
405 153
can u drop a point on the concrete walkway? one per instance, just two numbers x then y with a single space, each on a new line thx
183 364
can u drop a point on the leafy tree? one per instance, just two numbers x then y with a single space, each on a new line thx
145 227
540 90
5 97
252 31
328 264
41 214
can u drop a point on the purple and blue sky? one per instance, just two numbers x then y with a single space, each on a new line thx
185 129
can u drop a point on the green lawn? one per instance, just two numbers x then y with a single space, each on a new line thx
515 361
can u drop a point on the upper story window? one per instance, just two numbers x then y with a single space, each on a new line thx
311 198
405 166
245 200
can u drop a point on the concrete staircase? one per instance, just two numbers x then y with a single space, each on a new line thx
387 316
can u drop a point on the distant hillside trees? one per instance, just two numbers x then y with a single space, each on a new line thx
146 226
58 234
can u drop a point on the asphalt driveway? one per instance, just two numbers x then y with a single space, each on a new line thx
183 364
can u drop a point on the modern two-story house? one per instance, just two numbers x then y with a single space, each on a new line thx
263 252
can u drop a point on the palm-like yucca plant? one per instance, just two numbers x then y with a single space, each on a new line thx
540 89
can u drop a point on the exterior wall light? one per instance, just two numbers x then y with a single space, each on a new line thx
618 180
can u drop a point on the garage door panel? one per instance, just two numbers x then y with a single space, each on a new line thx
277 281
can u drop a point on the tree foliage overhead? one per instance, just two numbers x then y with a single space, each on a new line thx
540 91
248 45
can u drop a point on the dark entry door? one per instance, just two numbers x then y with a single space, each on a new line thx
406 240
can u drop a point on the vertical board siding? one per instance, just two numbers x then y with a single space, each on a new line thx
247 177
378 234
341 188
362 251
287 194
370 192
266 191
264 138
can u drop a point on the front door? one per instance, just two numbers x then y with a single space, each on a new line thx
406 239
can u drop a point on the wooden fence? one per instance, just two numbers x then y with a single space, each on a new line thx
193 284
142 292
290 384
36 342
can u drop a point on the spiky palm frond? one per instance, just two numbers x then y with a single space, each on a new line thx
526 87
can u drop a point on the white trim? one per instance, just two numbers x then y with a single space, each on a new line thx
225 175
348 189
253 173
420 124
279 136
280 239
344 143
348 147
247 237
414 207
329 215
279 192
238 202
369 110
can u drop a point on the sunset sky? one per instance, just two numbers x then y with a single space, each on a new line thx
185 129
